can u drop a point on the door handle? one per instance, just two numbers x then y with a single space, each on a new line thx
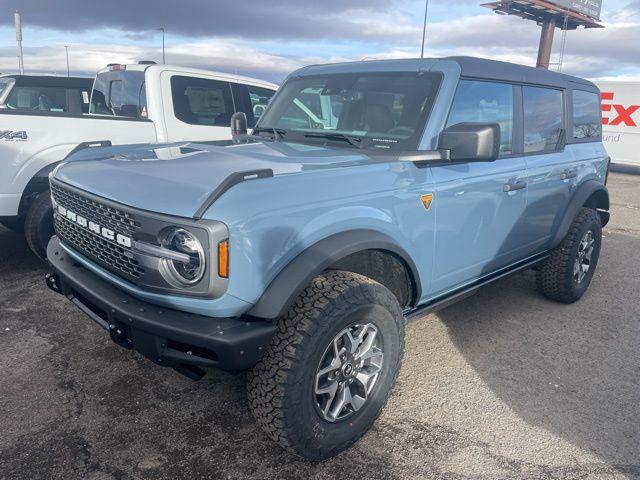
567 174
512 187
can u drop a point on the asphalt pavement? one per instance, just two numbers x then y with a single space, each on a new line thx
502 385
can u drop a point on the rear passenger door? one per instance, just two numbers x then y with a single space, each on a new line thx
551 169
479 205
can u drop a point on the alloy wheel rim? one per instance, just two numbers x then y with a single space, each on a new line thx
582 263
348 372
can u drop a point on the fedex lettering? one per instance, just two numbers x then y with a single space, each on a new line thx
623 113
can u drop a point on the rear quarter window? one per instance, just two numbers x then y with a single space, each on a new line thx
587 115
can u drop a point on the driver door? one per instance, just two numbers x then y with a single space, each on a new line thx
479 205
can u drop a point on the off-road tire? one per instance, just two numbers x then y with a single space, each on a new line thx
554 277
280 386
38 225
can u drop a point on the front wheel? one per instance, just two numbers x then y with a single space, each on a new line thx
330 367
38 225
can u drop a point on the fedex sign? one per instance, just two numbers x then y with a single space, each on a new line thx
618 114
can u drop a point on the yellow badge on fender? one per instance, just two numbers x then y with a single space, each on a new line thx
426 200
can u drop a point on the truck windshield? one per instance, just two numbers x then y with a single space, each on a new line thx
365 110
119 93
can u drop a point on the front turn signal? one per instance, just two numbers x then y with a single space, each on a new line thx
223 259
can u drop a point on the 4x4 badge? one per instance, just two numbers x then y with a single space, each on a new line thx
426 200
11 135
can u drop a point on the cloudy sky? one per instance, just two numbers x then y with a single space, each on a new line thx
269 38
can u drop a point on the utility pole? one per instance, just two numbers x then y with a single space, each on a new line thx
66 49
18 22
162 30
424 27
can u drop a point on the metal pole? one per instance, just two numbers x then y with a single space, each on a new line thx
18 22
66 50
424 27
163 59
546 43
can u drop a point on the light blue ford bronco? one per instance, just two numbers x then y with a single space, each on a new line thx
369 193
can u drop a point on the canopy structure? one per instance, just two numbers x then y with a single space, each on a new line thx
550 14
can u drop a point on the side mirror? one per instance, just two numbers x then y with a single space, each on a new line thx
238 126
471 142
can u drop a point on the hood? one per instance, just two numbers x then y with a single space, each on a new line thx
177 179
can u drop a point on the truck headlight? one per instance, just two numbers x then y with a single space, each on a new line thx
190 269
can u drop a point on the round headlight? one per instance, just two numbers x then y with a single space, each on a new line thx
185 272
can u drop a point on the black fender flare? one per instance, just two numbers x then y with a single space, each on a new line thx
588 189
292 279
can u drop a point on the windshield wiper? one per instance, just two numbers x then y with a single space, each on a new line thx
341 137
278 133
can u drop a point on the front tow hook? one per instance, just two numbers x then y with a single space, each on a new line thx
52 282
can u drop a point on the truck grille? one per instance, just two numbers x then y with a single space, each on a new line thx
110 254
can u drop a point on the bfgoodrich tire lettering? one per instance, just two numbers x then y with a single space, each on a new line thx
281 386
556 277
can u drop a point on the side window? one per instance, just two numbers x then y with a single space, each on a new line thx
543 119
260 98
199 101
486 102
587 121
44 99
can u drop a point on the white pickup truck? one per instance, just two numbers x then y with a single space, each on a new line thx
129 104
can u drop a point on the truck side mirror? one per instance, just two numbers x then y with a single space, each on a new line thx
238 126
471 142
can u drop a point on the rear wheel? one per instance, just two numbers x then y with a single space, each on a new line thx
330 367
38 226
566 275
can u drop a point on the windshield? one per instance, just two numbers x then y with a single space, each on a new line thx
365 110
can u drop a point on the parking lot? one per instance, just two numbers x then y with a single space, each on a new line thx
503 385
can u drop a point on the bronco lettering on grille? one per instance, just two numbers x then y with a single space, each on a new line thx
94 227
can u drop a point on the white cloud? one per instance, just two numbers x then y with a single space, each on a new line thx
384 33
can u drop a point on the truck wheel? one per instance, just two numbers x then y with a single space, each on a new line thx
567 273
330 367
38 225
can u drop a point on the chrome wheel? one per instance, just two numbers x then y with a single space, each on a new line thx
582 263
348 372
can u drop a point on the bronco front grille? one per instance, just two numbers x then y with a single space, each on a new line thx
112 218
110 254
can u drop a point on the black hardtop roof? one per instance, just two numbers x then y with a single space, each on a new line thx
51 81
470 67
512 72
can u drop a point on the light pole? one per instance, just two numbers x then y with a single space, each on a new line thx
424 27
162 30
66 50
18 22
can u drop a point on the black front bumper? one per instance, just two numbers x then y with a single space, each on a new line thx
184 341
